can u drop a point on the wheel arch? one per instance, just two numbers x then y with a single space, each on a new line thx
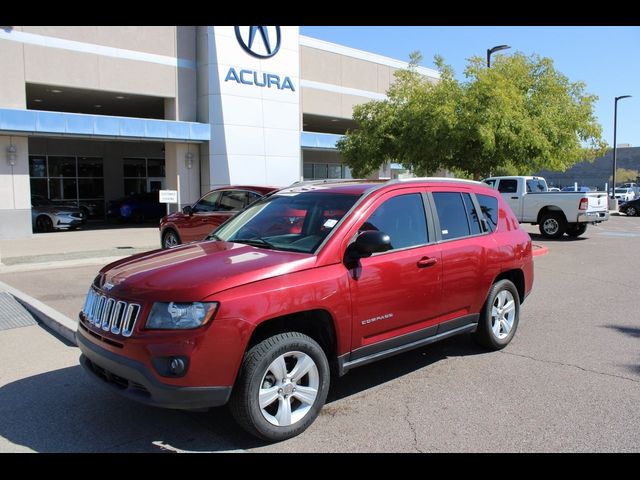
515 276
167 229
317 324
549 209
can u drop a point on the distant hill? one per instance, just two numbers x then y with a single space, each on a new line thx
595 174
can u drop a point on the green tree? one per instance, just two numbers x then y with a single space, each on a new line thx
624 175
517 117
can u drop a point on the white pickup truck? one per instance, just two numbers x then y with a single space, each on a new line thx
556 213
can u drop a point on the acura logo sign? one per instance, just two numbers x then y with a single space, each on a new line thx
259 41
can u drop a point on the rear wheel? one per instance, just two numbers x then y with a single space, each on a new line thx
44 224
576 229
499 316
170 239
553 225
283 384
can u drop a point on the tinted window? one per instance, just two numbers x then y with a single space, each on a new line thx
491 182
489 207
472 214
232 200
508 186
452 215
208 203
402 218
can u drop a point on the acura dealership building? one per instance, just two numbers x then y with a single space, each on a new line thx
94 113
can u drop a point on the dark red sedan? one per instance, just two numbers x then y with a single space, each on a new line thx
197 221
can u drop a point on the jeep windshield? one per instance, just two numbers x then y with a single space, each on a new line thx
292 221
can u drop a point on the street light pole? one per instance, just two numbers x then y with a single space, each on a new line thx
615 145
493 50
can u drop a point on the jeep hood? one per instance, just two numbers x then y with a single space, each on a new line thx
197 270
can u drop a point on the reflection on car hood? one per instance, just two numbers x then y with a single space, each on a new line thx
194 271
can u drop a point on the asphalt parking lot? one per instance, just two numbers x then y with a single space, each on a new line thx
569 381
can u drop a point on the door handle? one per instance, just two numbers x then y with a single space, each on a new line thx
514 198
427 262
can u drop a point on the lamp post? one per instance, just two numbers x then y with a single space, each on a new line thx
615 145
493 50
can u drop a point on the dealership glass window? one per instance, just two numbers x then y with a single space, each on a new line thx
321 171
138 171
68 178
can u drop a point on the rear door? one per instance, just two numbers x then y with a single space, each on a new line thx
466 249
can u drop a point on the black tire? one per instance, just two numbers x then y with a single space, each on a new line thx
552 225
576 229
44 224
485 334
631 211
254 372
170 239
85 212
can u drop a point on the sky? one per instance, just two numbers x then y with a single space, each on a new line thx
606 59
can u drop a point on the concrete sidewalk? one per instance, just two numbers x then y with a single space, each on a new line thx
80 247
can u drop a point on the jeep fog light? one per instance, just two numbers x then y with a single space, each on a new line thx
175 315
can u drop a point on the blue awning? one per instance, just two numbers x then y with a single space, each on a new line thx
63 124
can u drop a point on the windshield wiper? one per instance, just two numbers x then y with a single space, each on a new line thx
256 242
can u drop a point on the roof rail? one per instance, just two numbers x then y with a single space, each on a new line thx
329 180
432 179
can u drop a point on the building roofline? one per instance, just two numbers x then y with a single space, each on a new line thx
363 55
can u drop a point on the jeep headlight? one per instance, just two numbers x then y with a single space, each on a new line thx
179 315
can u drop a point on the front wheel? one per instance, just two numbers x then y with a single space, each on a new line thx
283 384
553 225
170 239
631 212
499 316
576 229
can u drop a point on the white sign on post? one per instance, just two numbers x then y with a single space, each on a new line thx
168 196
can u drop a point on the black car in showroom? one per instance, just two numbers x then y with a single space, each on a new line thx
630 208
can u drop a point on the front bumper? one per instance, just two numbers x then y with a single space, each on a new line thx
134 380
68 221
593 217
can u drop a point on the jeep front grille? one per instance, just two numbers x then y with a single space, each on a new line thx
110 314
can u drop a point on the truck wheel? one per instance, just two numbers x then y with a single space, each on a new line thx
553 225
282 385
499 316
576 229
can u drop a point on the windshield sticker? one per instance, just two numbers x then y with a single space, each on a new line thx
330 223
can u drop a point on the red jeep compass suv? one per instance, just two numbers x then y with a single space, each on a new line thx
257 315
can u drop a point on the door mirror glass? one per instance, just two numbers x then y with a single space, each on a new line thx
187 210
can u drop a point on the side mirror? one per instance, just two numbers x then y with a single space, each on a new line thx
366 244
188 210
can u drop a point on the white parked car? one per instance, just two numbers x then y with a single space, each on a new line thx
625 194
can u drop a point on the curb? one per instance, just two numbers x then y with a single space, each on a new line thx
53 319
78 262
539 250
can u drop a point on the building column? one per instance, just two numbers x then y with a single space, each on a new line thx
183 160
15 190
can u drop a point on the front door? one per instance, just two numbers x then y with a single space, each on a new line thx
398 291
